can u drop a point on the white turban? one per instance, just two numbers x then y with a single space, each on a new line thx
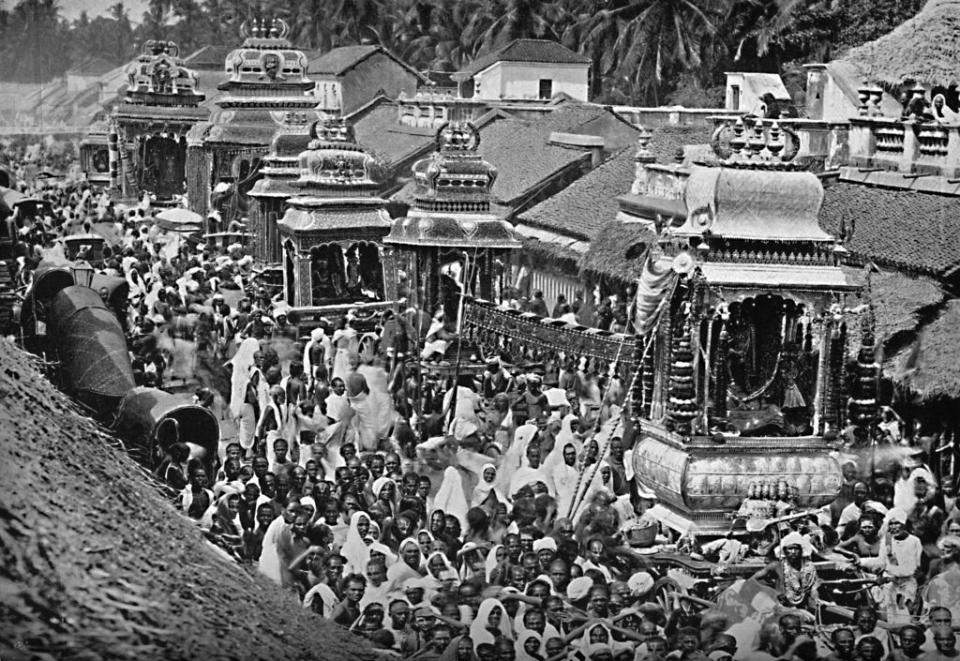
640 583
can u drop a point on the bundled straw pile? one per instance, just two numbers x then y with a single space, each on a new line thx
925 49
95 564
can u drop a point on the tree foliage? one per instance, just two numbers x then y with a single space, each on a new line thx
643 51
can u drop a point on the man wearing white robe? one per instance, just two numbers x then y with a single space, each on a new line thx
899 560
565 477
530 472
364 420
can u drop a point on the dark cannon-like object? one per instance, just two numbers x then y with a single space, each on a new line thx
151 420
85 336
91 348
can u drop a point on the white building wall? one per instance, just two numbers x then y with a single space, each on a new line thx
837 107
746 101
487 83
521 80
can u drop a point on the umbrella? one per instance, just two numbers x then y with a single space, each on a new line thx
179 220
11 197
8 198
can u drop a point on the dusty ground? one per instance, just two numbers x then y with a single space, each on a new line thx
95 564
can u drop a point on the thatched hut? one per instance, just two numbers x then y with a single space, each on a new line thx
901 303
923 354
926 369
96 564
615 257
924 49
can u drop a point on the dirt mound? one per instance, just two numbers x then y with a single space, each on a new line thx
95 564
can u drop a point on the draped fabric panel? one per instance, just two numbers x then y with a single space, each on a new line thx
654 285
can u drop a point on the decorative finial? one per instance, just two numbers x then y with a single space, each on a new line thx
458 136
776 141
757 141
738 142
863 95
644 155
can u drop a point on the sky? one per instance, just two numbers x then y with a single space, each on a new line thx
71 8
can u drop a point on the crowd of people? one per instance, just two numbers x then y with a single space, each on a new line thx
493 515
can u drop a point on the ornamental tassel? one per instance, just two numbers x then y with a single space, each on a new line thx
832 414
862 381
682 405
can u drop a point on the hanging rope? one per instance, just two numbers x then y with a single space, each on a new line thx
578 499
467 282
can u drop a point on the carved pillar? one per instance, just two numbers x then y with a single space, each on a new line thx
431 276
388 264
823 362
721 378
302 266
113 157
486 276
421 278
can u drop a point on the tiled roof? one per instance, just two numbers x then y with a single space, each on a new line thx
380 134
583 207
919 232
209 57
668 141
338 60
527 50
587 204
521 152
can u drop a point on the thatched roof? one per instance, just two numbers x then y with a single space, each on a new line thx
617 251
929 245
932 369
898 301
550 251
925 48
581 209
96 564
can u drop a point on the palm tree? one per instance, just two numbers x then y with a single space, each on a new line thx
123 41
33 27
520 19
310 25
647 42
354 17
765 32
437 34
